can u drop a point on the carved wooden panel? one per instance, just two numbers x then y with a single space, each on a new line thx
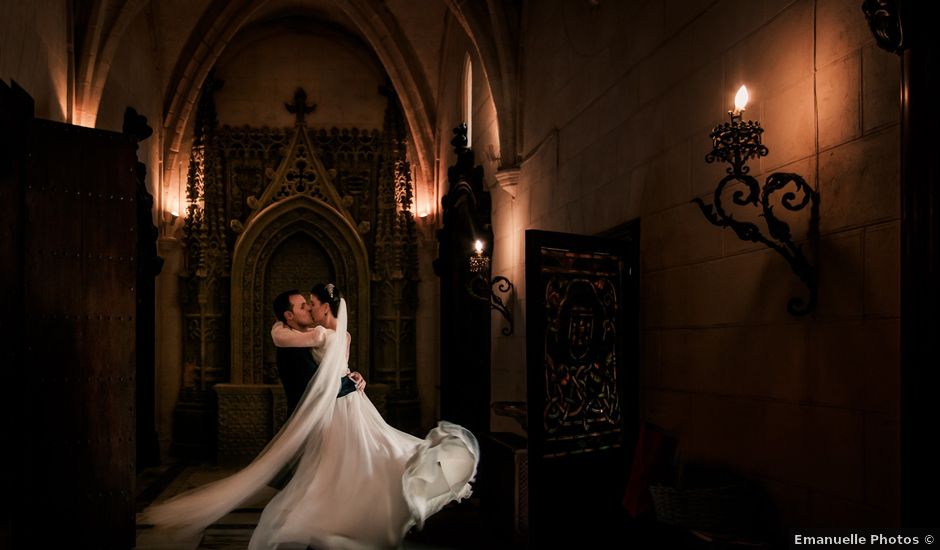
581 408
581 307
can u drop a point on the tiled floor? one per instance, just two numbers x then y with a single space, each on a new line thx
457 526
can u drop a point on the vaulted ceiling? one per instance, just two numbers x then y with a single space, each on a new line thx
404 36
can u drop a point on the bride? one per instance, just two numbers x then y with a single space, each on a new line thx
359 483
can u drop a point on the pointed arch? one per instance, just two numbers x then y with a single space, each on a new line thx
466 97
489 26
266 231
97 54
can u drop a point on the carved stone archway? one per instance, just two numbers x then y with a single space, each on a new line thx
266 231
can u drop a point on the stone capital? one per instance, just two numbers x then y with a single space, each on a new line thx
508 179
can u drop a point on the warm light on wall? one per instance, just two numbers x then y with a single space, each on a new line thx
171 215
424 223
179 184
736 142
175 201
425 217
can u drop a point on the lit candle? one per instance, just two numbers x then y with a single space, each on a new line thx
740 101
423 214
478 262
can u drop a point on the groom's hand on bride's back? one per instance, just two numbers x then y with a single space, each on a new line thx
359 380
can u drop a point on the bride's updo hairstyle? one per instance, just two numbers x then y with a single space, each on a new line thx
328 294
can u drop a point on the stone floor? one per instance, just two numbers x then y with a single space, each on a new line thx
457 526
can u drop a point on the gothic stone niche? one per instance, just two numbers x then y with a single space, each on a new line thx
293 243
291 207
344 257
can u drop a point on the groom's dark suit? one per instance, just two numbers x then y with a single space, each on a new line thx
295 367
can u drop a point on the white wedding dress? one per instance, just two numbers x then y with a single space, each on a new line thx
359 483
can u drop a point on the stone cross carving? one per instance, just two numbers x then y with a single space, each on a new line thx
299 107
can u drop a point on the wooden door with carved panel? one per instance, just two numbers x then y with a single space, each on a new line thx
581 333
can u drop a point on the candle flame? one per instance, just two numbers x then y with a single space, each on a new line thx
740 100
478 246
174 213
423 214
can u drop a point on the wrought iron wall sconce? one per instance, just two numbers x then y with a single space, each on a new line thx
481 286
735 143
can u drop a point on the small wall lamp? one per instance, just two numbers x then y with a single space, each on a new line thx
424 224
481 286
735 143
169 221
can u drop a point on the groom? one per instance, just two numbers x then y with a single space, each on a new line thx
296 366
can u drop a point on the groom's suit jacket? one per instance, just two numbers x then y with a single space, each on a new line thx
295 367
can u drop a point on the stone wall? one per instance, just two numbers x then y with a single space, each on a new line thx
34 53
615 128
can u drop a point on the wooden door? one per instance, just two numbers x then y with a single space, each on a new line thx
74 388
581 333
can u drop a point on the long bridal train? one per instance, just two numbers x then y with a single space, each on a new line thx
359 483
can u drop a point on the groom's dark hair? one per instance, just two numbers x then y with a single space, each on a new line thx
282 304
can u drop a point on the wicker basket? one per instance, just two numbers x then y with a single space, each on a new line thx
717 509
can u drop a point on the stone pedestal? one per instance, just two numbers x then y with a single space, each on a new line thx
249 416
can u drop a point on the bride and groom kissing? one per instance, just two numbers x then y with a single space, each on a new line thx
345 478
299 332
